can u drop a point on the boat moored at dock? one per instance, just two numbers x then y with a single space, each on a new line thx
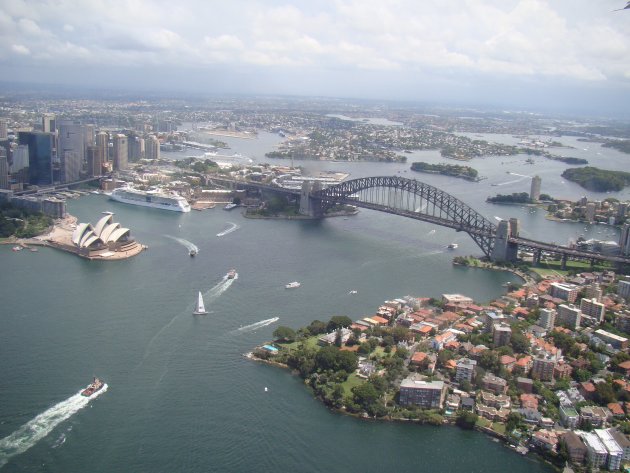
155 199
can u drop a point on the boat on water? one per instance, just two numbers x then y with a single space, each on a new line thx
230 206
353 291
93 387
155 199
192 253
453 246
231 274
292 285
200 308
17 248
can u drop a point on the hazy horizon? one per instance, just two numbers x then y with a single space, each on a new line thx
569 56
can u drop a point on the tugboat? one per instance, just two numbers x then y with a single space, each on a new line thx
231 274
96 386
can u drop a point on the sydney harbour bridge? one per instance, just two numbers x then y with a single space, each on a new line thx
415 199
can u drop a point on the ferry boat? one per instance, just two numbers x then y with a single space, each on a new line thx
95 386
292 285
231 274
154 199
453 246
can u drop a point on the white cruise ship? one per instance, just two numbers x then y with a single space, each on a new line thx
154 199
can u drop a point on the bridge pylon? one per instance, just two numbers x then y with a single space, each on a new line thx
503 249
308 205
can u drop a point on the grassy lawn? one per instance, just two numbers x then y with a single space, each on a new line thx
352 381
499 427
310 343
483 422
553 267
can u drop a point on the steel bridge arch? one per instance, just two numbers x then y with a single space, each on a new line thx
436 206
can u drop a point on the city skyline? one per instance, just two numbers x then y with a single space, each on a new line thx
565 56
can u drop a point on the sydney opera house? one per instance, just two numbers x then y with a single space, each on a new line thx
107 239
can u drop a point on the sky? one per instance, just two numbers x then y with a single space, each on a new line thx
556 54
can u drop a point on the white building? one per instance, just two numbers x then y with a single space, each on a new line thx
547 318
595 449
569 315
615 452
592 308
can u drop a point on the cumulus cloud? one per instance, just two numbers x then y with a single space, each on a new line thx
20 49
566 39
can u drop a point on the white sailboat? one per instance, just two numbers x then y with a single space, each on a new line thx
200 309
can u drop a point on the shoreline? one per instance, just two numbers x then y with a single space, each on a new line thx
448 421
59 237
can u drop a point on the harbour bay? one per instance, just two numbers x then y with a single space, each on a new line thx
181 397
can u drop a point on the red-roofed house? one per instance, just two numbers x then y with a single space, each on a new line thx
625 366
507 362
587 389
529 401
616 409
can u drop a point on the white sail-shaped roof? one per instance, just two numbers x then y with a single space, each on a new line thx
87 235
118 234
102 223
90 241
79 231
108 230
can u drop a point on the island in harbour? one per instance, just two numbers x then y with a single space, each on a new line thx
453 170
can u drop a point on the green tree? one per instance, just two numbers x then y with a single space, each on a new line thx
466 420
519 342
317 327
365 395
286 334
604 393
338 321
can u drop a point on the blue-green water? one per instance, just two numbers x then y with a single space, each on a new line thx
180 395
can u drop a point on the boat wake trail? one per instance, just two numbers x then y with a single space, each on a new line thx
432 232
256 326
39 427
232 228
219 288
189 245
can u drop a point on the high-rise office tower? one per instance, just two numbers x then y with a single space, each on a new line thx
4 132
152 147
89 133
40 156
94 163
136 148
102 143
121 156
4 169
49 123
534 192
624 239
71 150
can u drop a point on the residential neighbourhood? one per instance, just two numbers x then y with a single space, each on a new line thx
545 367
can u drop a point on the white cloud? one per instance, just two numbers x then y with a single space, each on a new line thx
565 39
20 49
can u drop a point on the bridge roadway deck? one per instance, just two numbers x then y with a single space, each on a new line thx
569 252
521 242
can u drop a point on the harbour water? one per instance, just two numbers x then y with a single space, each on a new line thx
181 397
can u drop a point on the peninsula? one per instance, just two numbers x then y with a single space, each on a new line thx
599 180
538 368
